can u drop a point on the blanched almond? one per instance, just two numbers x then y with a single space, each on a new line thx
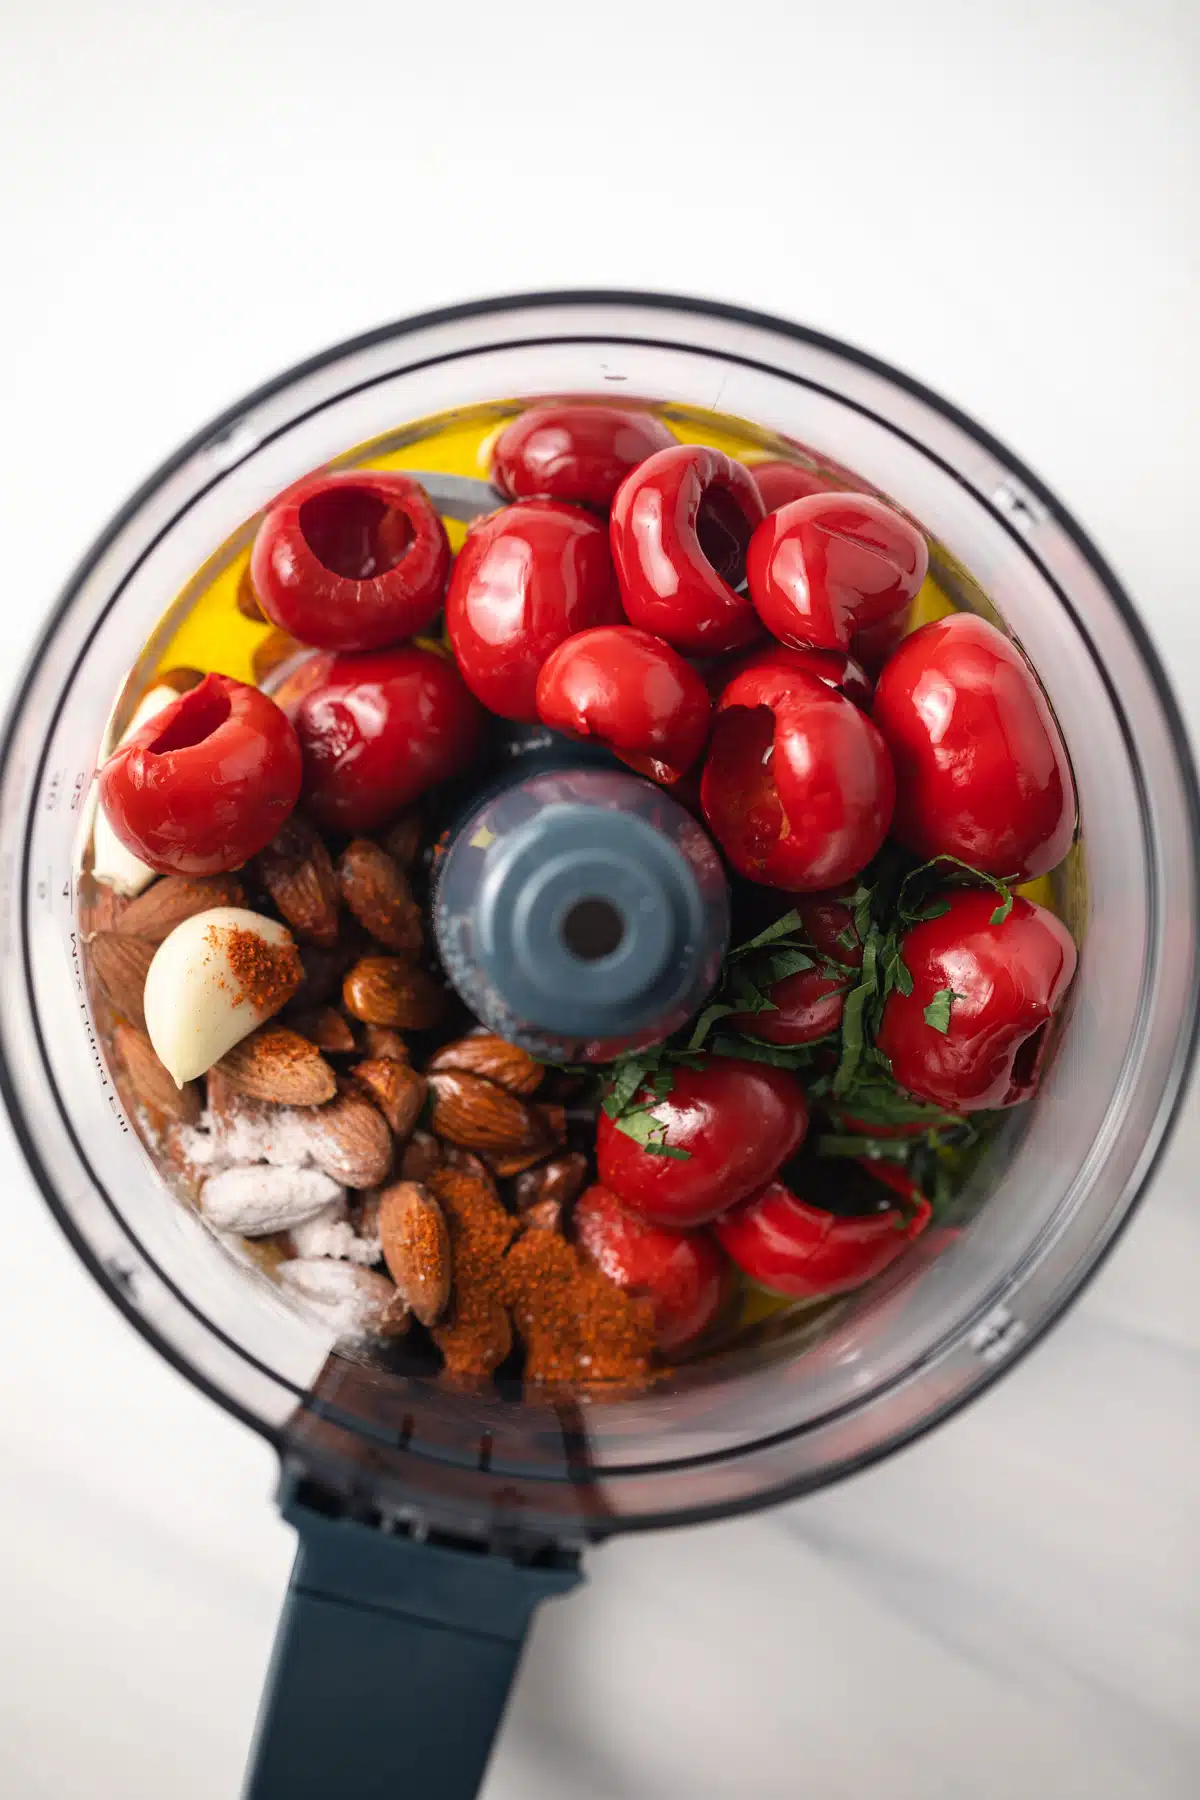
494 1058
265 1198
277 1064
397 1090
173 898
481 1116
388 990
376 890
353 1303
213 980
416 1248
351 1141
121 966
151 1083
296 871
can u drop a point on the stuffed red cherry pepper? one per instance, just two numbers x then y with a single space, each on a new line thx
629 690
681 525
572 452
824 568
682 1272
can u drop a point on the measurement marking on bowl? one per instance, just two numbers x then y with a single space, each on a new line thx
1020 506
998 1335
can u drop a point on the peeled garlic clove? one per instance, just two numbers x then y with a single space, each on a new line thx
213 980
263 1198
112 864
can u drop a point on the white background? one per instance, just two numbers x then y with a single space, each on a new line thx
1000 200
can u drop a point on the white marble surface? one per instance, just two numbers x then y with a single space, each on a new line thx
196 196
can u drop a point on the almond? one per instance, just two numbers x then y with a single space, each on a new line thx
246 600
173 898
493 1057
561 1179
323 973
181 679
387 990
398 1091
416 1248
554 1122
325 1028
478 1115
265 1197
402 839
349 1139
420 1157
120 965
151 1083
353 1302
504 1164
274 1063
376 890
101 908
381 1041
545 1216
296 871
271 653
465 1162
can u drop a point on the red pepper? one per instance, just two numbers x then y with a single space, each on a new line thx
206 782
526 579
351 560
781 482
806 1006
991 991
833 667
631 691
798 786
682 1272
738 1122
808 1253
981 768
681 524
822 569
580 454
378 729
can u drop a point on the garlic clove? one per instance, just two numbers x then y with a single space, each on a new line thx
112 864
197 1004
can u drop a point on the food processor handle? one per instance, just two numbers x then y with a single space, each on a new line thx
393 1662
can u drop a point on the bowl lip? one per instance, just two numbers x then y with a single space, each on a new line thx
729 313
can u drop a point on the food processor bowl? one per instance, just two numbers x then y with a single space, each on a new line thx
794 1405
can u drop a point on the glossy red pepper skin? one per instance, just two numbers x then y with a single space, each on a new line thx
739 1122
798 785
577 453
807 1006
206 782
631 691
822 569
833 667
527 578
807 1253
981 769
829 924
351 560
378 729
681 524
1009 980
780 483
682 1272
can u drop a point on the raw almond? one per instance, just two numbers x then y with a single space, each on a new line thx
325 1028
173 898
120 965
493 1057
100 907
296 871
246 600
545 1216
420 1157
416 1248
554 1122
376 890
265 1198
380 1040
151 1083
323 972
351 1141
504 1164
478 1115
388 990
465 1162
398 1091
274 1063
355 1303
402 839
561 1179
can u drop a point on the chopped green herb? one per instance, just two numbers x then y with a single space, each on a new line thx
937 1013
705 1023
645 1129
848 939
779 1056
848 1144
788 962
1002 911
791 923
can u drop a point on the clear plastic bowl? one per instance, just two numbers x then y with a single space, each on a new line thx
760 1422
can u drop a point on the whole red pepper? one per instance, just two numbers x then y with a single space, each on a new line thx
805 1006
377 729
572 452
798 785
827 567
981 768
682 1272
681 524
527 578
206 782
781 482
351 560
808 1253
736 1121
975 1030
631 691
833 667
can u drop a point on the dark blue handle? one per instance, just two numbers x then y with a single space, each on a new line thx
393 1663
